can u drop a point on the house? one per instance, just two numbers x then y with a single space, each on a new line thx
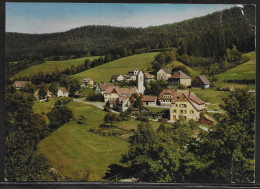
202 82
62 91
122 103
87 81
133 71
205 119
117 78
102 87
167 95
48 94
188 106
21 84
149 100
130 78
180 78
164 73
113 92
111 103
147 77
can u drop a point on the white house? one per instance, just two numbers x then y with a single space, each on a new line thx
122 103
164 74
117 77
62 91
87 81
130 78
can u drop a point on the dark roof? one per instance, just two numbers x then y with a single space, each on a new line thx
148 75
63 89
132 70
167 70
103 86
147 98
204 79
115 76
86 80
180 75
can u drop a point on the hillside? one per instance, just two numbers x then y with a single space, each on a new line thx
51 66
197 37
120 66
243 71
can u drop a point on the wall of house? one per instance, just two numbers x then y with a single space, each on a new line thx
204 121
162 75
109 96
184 109
185 82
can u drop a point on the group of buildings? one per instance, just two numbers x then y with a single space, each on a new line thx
180 102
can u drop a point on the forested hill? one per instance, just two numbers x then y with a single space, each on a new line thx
206 36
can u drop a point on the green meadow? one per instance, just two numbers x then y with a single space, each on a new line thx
51 66
120 66
75 152
243 71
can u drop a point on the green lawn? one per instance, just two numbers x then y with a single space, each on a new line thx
51 66
120 66
210 95
156 109
73 150
243 71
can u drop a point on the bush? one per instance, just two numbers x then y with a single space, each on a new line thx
95 97
142 118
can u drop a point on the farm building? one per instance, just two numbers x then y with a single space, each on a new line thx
205 119
102 87
188 106
87 81
180 78
149 100
117 78
21 84
148 77
164 73
62 91
201 81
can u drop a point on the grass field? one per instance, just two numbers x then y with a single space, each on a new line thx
51 66
210 95
73 150
193 73
243 71
120 66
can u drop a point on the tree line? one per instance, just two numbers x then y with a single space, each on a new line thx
206 36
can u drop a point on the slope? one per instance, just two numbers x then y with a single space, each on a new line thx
51 66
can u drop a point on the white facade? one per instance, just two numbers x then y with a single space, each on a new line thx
61 94
140 82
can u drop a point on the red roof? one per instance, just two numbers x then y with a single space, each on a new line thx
180 75
122 99
103 86
20 84
126 91
147 98
148 75
183 97
167 91
195 99
204 79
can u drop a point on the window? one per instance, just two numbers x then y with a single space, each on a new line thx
184 111
191 112
181 111
185 105
176 105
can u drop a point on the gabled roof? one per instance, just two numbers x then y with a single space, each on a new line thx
147 98
204 79
167 70
110 89
47 91
196 99
122 99
180 91
180 75
183 98
126 91
148 75
63 89
167 91
21 84
132 70
103 86
115 76
86 80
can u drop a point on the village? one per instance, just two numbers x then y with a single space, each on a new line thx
179 102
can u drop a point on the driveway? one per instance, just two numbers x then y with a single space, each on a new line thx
99 105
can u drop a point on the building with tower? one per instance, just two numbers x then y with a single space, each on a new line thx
140 82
